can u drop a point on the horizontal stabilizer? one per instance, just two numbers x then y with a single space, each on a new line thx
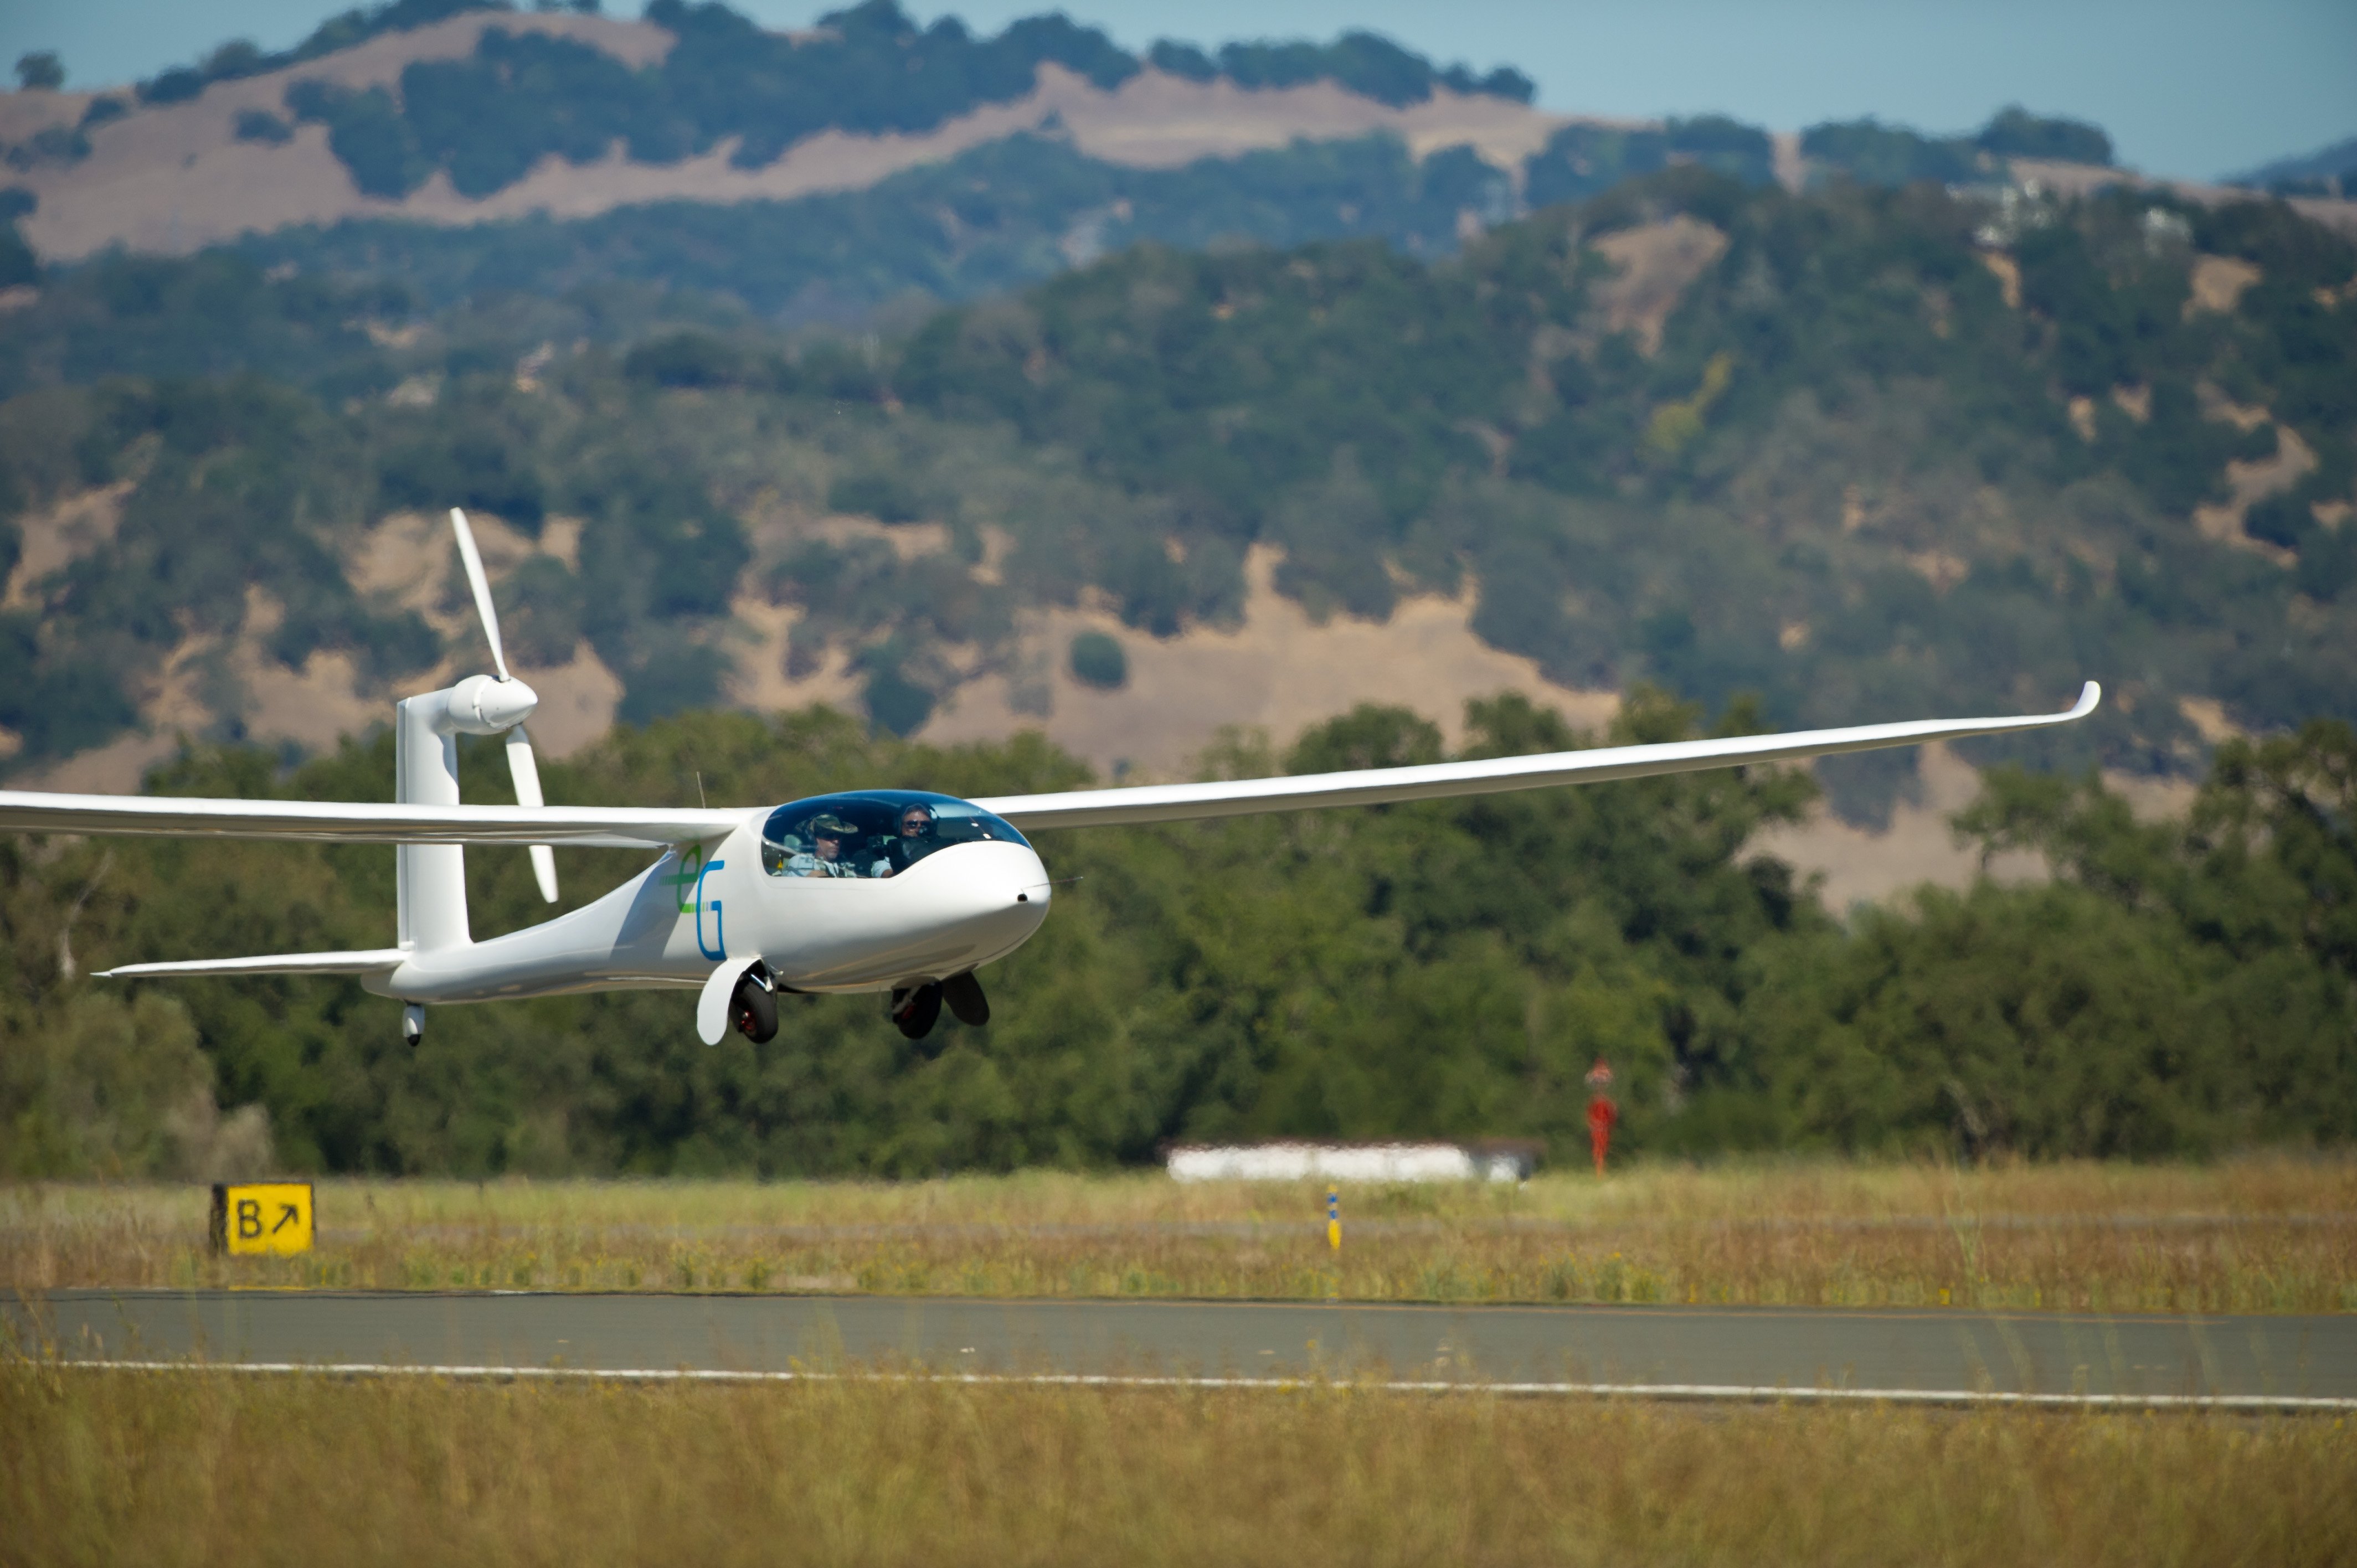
374 960
1490 776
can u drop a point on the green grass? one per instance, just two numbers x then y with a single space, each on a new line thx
99 1467
2259 1234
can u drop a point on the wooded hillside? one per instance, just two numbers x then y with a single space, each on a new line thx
1864 451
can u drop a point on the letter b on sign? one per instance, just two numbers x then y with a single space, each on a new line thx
262 1219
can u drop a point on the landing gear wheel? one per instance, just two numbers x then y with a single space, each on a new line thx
966 1002
753 1011
915 1011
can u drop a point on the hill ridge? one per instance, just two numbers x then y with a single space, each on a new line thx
172 177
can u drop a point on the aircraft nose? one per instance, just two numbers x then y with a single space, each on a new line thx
987 881
1030 883
1008 899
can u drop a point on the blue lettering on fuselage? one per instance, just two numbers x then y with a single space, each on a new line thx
719 931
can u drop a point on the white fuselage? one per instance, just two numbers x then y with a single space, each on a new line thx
964 904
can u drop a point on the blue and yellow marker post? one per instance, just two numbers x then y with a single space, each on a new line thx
1334 1238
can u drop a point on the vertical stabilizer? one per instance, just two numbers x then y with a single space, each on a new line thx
431 878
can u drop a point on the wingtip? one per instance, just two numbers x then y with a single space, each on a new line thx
2089 695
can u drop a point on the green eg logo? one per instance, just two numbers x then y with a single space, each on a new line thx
267 1218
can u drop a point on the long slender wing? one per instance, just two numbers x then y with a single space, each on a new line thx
370 961
24 811
1380 786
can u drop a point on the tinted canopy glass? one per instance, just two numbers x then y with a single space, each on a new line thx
872 833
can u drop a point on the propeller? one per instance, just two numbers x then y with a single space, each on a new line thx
522 767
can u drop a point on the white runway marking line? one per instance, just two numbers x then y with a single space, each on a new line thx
1728 1393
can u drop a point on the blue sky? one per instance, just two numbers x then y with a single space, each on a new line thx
2186 87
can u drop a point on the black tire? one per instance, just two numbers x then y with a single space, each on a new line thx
916 1016
753 1011
967 1005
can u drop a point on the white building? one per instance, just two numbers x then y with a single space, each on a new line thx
1352 1162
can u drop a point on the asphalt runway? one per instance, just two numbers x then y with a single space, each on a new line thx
1945 1354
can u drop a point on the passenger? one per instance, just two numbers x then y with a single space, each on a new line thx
915 842
826 858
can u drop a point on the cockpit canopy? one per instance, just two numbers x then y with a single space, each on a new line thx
874 832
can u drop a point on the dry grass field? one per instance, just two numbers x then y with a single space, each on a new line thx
2257 1234
201 1467
99 1467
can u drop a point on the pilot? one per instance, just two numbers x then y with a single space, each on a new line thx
825 857
915 842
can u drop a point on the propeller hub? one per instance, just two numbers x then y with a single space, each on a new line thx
484 705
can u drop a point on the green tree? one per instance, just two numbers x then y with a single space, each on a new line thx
2047 1021
40 70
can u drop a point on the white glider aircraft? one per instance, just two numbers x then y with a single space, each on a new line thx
875 890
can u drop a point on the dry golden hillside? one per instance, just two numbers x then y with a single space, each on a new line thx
173 178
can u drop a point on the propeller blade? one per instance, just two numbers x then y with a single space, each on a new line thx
544 871
525 771
483 587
